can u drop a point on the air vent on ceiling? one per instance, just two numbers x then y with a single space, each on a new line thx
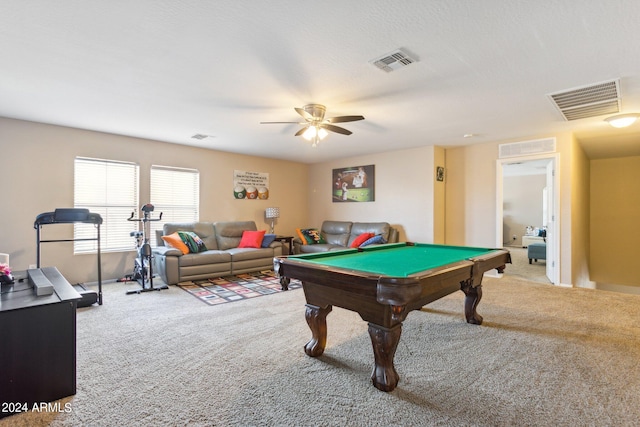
525 148
200 136
589 101
393 60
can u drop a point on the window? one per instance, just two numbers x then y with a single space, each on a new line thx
175 192
109 188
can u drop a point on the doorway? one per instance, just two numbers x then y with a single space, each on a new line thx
541 199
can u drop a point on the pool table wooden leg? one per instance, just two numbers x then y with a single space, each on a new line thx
384 341
473 295
284 283
317 321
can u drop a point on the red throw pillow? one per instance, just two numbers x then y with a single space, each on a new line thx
361 239
251 239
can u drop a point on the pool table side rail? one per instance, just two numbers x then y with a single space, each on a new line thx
402 244
497 258
374 296
409 291
387 290
394 290
292 268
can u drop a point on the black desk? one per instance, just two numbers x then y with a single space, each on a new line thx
37 343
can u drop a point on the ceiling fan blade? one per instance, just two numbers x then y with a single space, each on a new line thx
308 117
301 131
336 129
342 119
279 123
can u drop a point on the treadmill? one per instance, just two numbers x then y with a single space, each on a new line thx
69 216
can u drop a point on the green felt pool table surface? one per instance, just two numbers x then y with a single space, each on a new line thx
397 260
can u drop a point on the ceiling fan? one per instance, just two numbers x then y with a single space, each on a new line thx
316 126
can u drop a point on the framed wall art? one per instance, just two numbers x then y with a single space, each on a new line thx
354 184
250 185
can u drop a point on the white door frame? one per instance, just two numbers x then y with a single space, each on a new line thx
553 240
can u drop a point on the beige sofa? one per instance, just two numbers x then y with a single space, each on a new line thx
223 257
340 235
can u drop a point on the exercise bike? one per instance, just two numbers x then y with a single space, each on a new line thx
143 265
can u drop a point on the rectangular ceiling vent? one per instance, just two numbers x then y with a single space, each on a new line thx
200 136
393 60
525 148
589 101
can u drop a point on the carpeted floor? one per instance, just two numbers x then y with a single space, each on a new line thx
521 269
545 356
235 288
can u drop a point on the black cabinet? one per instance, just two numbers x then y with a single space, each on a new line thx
37 344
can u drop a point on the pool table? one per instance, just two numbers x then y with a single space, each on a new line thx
383 283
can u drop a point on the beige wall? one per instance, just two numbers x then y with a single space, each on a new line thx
38 177
439 211
522 199
581 217
455 193
471 197
615 221
404 188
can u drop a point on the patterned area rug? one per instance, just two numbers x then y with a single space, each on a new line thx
234 288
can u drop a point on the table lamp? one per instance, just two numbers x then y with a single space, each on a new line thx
272 214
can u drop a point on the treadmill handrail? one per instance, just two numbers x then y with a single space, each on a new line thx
68 216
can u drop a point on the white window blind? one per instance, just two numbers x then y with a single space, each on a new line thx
175 192
109 188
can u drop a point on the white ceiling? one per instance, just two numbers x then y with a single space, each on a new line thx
169 69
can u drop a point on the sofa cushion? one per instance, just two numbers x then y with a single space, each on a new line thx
243 254
337 232
229 233
322 247
267 240
203 229
193 241
175 241
206 257
369 227
310 236
251 239
361 239
375 240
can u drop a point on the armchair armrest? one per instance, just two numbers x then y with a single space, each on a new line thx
297 243
393 235
276 244
166 251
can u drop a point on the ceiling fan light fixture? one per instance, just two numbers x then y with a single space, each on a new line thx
622 120
310 133
315 133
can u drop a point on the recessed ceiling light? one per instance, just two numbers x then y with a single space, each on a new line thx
469 135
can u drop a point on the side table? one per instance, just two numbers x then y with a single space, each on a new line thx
288 240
